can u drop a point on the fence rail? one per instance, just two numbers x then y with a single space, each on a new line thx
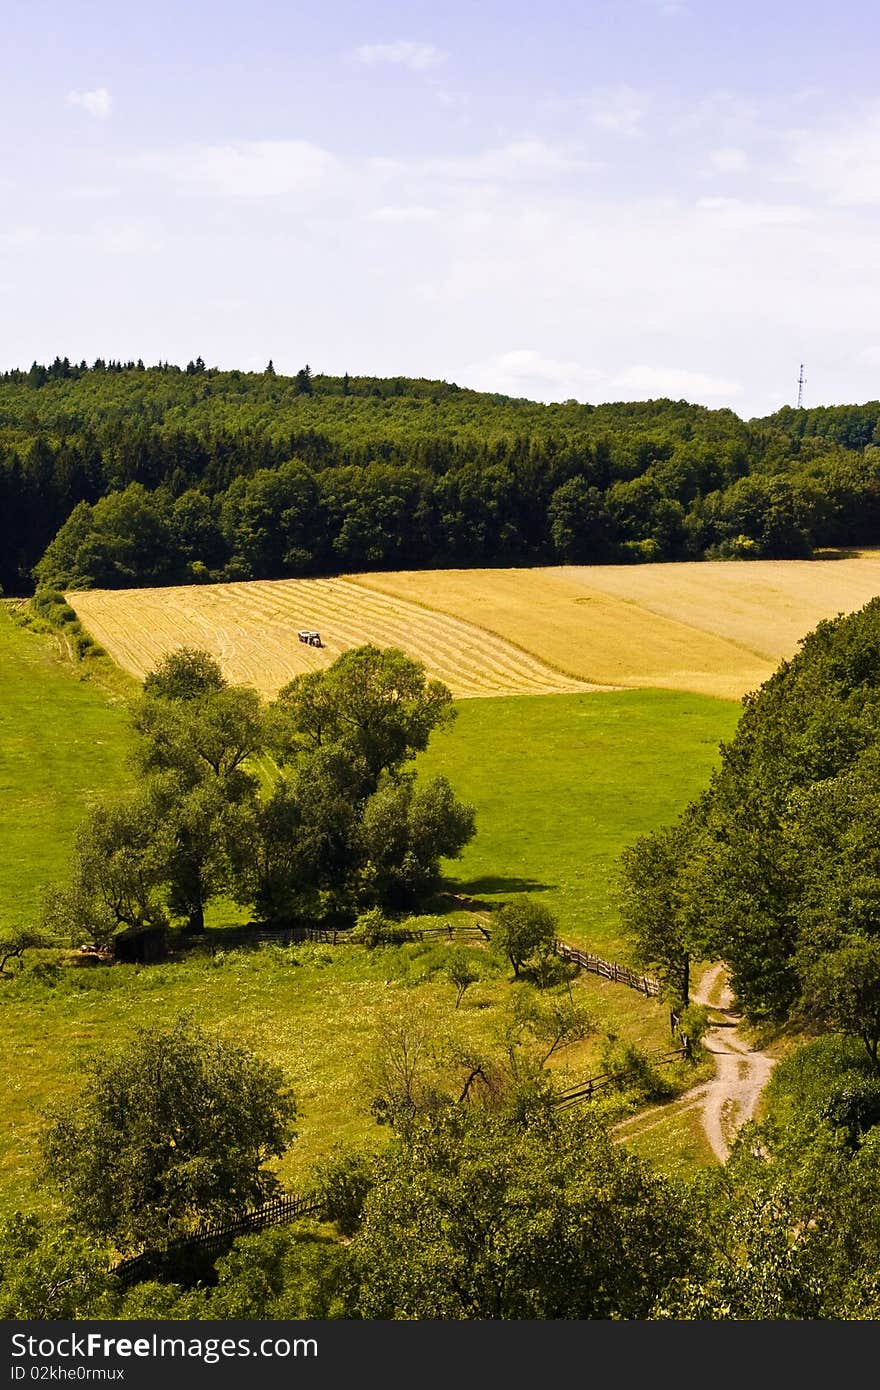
213 1238
585 1090
610 970
219 937
286 936
451 932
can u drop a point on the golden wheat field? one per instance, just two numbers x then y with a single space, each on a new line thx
715 628
252 627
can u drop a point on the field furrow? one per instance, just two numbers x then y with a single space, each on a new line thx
252 627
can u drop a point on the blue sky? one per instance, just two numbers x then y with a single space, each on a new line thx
605 201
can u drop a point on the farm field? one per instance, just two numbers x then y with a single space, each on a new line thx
712 627
251 628
63 745
562 783
717 627
549 825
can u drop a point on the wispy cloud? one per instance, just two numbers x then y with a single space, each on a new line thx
677 383
524 372
841 162
403 215
739 214
98 103
245 168
129 236
618 109
404 52
520 160
728 160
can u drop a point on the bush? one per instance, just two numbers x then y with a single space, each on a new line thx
341 1185
373 928
631 1069
854 1105
525 932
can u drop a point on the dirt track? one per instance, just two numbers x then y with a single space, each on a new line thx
731 1098
741 1072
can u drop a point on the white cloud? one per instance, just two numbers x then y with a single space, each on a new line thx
98 103
128 236
841 163
524 372
246 168
738 213
403 215
729 160
404 52
646 382
521 160
619 110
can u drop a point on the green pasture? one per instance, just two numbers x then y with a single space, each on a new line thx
319 1012
63 745
562 783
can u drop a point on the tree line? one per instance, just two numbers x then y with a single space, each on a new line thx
775 867
120 474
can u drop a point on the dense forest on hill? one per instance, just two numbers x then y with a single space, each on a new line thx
117 474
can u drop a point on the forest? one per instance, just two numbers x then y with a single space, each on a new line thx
118 474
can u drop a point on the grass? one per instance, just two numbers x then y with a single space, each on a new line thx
674 1142
63 745
562 783
317 1011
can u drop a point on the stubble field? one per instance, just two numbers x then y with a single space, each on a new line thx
710 628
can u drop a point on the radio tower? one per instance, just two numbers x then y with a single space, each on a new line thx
801 380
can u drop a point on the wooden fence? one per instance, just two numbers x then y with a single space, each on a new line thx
220 937
610 970
286 936
212 1239
585 1090
450 932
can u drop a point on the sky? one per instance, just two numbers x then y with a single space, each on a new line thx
603 200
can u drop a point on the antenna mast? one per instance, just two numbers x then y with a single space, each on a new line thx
801 380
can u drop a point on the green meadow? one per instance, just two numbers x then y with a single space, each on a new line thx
318 1012
63 745
562 783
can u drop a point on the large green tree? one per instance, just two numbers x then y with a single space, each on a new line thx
378 704
470 1216
778 860
172 1128
842 989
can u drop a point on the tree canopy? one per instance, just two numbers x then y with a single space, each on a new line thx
172 1129
778 862
116 474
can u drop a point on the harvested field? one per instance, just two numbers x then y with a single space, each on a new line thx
251 628
712 628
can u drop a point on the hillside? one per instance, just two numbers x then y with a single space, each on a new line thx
63 746
124 476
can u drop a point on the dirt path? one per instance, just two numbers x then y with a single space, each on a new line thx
741 1073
